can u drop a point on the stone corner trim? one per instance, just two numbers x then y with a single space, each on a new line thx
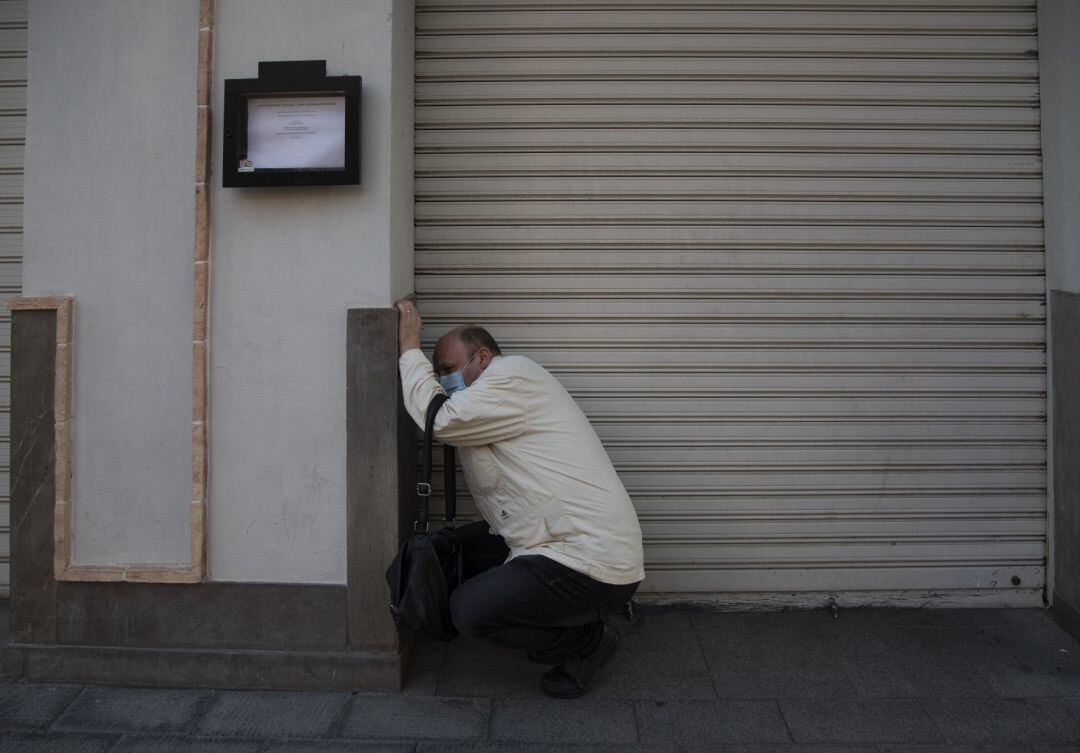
200 330
131 574
40 303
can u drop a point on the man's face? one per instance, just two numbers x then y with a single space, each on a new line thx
452 355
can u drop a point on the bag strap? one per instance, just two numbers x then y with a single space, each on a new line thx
450 482
423 488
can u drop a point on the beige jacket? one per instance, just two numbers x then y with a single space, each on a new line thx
535 467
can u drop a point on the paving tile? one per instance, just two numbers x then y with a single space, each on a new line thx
908 663
1046 634
550 720
416 717
801 621
273 714
142 709
437 746
785 748
23 742
423 674
140 744
773 664
710 722
1010 748
1059 718
659 658
858 720
473 668
1036 660
25 705
989 721
870 618
1022 617
340 746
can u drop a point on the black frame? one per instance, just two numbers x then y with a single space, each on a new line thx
298 78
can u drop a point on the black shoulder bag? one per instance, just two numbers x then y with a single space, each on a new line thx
428 566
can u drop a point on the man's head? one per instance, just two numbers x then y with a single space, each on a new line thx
466 348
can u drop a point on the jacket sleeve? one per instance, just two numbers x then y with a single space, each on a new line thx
490 410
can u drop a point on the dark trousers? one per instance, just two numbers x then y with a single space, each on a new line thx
532 602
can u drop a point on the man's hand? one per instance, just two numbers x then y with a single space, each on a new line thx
408 325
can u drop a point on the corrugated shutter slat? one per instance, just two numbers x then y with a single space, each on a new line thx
13 15
787 256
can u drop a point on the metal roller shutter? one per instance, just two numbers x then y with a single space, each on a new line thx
12 128
786 255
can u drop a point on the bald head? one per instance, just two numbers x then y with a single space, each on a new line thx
472 337
459 346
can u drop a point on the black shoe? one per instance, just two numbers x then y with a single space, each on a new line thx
549 658
575 676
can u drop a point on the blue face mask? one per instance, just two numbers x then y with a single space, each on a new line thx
456 381
452 383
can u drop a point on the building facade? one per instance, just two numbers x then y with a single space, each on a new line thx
810 269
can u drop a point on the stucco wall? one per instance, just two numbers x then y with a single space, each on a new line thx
108 217
401 126
287 263
1059 84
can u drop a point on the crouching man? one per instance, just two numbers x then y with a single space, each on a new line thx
560 543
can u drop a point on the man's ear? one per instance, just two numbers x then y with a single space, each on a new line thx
484 354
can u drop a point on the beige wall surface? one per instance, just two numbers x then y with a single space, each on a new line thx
109 217
1059 85
287 264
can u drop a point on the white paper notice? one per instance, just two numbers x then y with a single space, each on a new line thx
296 132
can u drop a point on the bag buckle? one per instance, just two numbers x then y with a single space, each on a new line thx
423 489
416 527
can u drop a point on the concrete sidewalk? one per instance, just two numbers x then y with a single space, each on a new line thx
894 681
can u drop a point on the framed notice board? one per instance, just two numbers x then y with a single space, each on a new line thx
291 126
